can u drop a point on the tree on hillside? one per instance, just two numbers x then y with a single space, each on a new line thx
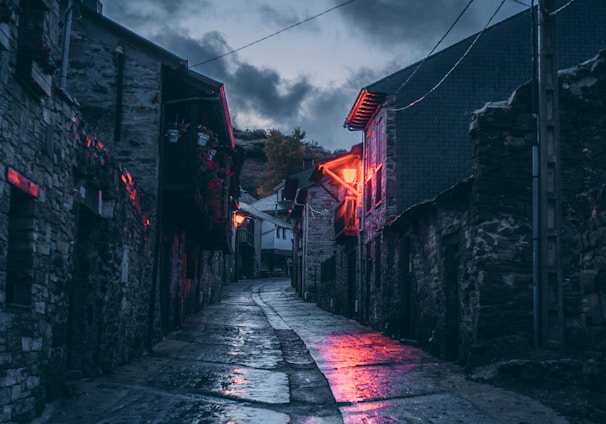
313 150
285 155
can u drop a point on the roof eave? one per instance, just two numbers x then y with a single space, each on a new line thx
365 107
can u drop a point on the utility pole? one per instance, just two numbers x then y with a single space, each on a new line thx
550 287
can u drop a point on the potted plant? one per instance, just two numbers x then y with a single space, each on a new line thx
175 130
203 135
214 170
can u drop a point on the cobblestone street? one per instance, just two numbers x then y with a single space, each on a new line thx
265 355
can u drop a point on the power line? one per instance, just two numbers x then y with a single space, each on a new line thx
558 10
455 65
434 47
521 2
273 35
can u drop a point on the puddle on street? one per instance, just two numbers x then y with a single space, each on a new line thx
237 382
372 367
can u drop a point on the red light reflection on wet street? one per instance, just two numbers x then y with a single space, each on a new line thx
370 366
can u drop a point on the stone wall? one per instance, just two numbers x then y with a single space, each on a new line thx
583 137
427 263
502 134
103 66
502 137
319 234
35 141
109 293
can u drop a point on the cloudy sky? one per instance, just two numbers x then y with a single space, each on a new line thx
307 76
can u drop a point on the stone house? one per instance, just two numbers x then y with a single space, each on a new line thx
137 94
109 232
312 218
276 233
418 179
249 223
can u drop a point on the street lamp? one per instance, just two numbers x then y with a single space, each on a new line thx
349 175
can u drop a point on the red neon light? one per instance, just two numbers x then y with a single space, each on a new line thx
22 183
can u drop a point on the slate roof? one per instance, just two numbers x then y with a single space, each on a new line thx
267 204
433 147
253 211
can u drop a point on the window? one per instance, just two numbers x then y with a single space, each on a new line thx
368 195
36 56
20 255
379 186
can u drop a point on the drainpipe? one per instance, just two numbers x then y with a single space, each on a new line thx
67 33
536 248
361 229
119 51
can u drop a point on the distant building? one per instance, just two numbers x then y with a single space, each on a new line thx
276 233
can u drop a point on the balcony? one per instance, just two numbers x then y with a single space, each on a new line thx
182 161
196 183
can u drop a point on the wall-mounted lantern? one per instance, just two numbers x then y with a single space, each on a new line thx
349 175
341 179
238 219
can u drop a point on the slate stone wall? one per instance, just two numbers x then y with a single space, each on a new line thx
35 141
103 65
583 137
502 136
320 245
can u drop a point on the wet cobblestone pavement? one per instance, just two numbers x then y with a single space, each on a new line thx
263 355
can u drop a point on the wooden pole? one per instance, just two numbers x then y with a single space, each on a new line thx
550 291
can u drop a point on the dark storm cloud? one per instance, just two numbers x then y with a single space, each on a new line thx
196 51
249 88
418 23
266 92
142 11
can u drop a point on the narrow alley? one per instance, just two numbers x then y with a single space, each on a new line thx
265 355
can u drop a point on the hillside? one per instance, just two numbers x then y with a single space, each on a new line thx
255 161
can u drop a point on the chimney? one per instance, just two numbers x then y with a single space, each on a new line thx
308 163
94 5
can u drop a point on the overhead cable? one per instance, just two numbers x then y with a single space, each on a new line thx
455 65
558 10
273 34
521 2
434 47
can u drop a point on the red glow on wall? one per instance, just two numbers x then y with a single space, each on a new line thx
133 195
22 183
344 177
95 149
131 188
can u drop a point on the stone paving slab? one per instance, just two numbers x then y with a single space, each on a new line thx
243 355
288 362
436 408
237 382
379 380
